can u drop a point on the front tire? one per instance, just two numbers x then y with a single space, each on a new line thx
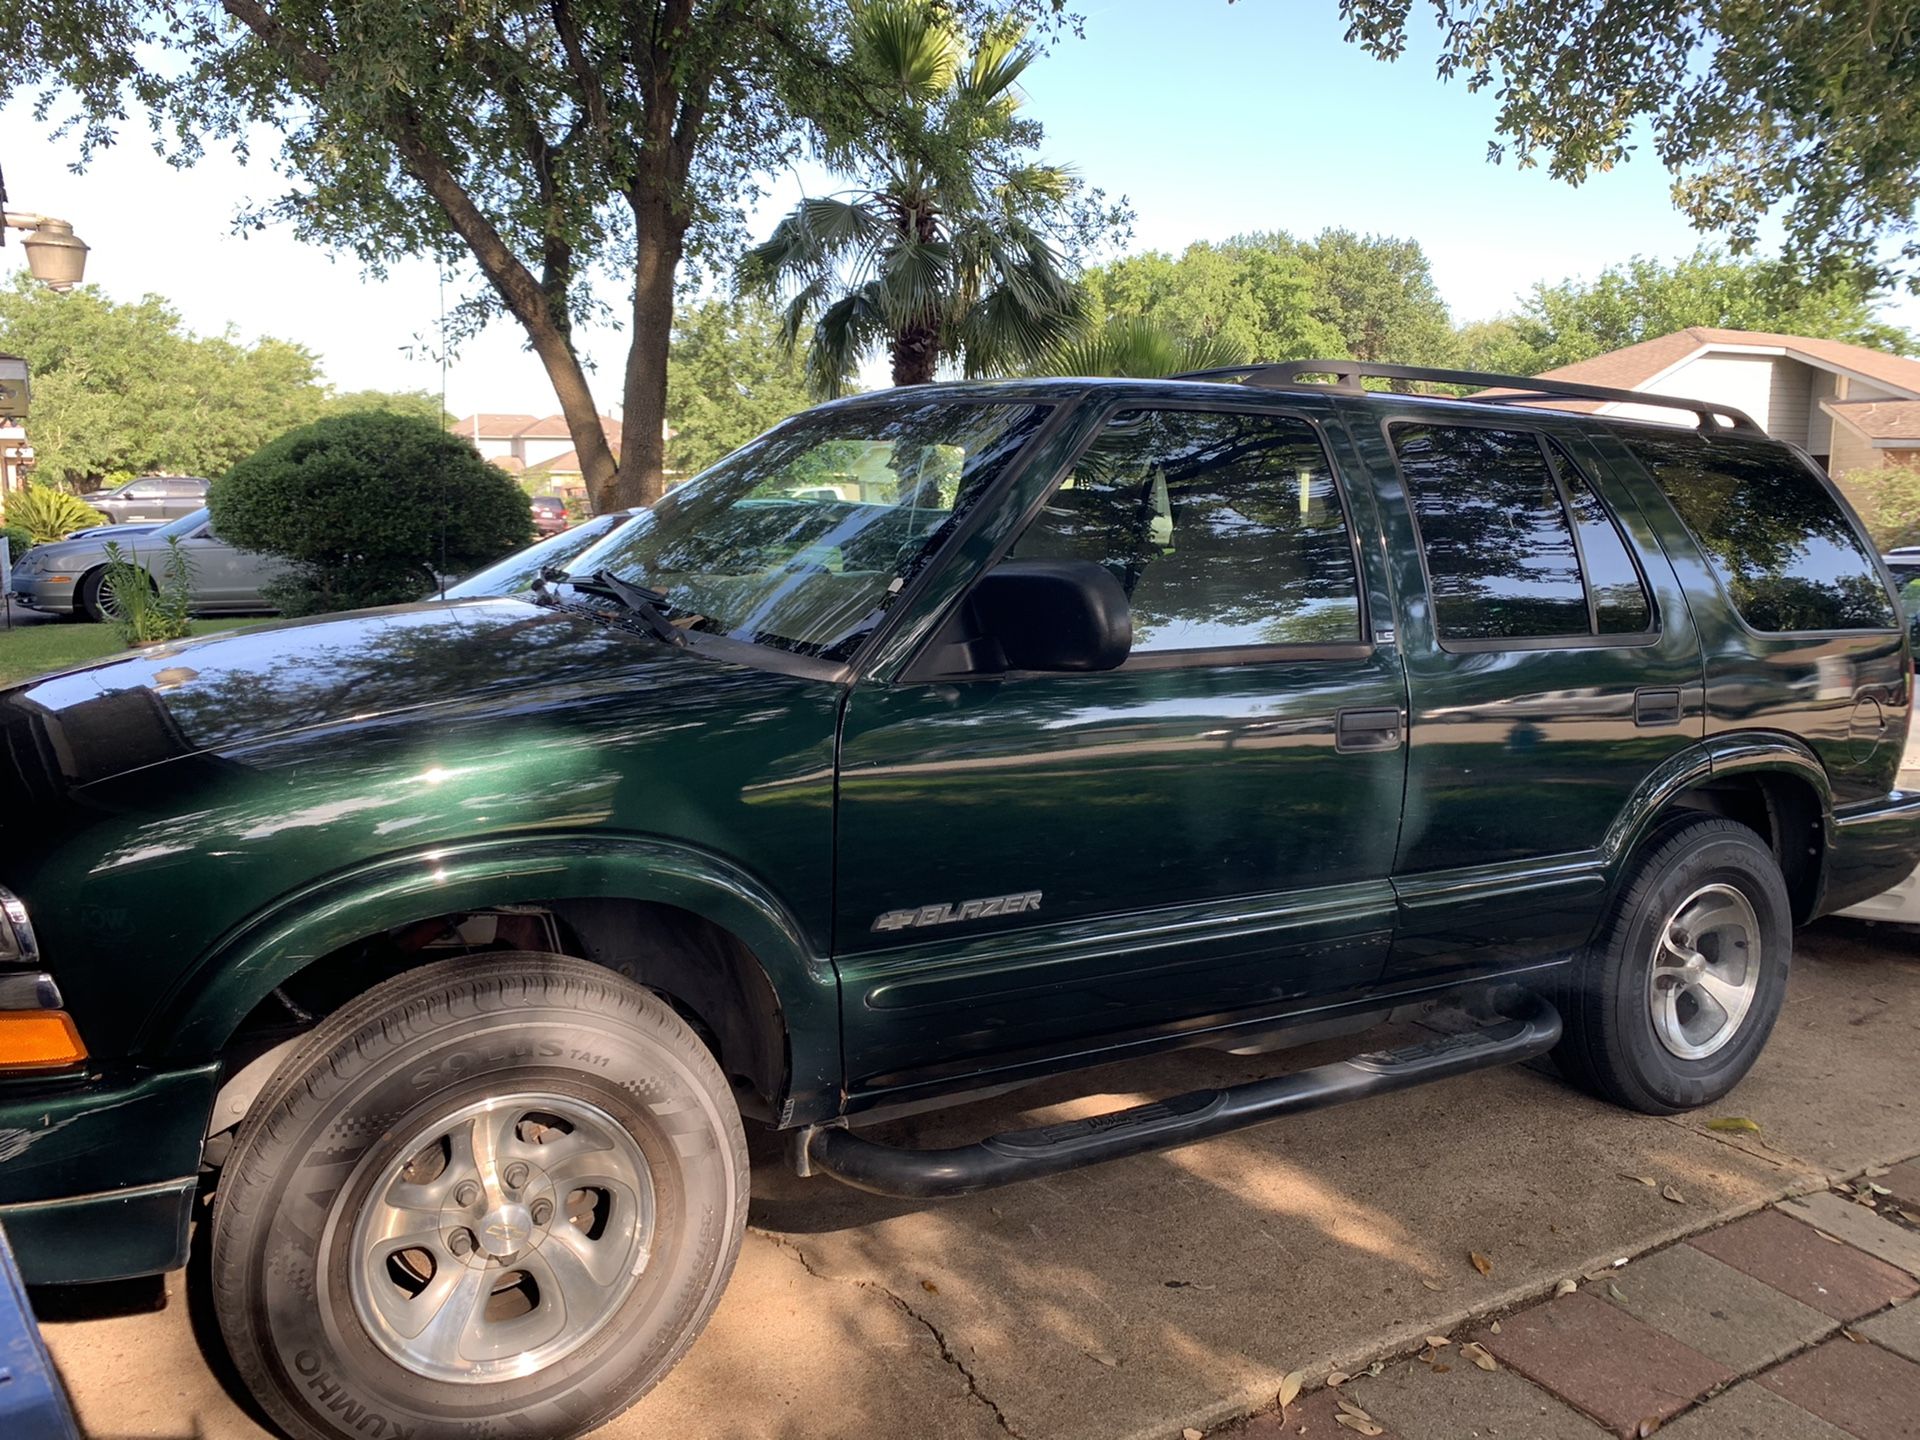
490 1196
1672 1003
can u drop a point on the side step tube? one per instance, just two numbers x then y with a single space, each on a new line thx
1028 1154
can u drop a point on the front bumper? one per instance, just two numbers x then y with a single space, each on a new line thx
97 1175
52 592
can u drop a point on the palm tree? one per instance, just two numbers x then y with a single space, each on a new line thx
1141 349
955 244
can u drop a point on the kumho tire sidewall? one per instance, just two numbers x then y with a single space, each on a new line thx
1652 1078
283 1225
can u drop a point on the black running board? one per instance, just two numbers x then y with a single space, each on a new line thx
1028 1154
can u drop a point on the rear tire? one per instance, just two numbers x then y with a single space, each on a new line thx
1671 1004
490 1196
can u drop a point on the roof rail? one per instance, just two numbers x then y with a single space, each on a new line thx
1348 376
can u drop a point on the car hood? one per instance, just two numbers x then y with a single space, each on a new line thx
68 554
219 692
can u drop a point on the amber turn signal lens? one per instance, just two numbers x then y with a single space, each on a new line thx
39 1040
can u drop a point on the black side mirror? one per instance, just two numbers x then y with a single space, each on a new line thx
1059 615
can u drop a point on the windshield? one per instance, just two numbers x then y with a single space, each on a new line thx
185 525
802 539
519 570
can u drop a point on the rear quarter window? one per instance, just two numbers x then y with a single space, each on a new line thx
1778 539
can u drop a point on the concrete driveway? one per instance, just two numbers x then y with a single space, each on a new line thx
1176 1290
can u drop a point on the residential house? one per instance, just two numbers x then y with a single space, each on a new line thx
495 436
1852 409
517 443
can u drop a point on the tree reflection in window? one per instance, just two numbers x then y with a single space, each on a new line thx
803 539
1500 555
1775 536
1620 603
1224 529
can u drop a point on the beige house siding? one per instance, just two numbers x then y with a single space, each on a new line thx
1824 385
1745 382
1789 402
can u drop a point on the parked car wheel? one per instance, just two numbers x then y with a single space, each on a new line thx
1672 1003
94 599
495 1196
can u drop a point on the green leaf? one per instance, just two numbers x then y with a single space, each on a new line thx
1733 1125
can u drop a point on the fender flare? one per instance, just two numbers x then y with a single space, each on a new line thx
207 1004
1734 752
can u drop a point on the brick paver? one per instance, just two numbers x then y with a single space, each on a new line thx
1859 1227
1420 1403
1743 1323
1749 1411
1870 1393
1834 1279
1898 1330
1904 1181
1600 1359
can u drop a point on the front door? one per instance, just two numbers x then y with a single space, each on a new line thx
1034 864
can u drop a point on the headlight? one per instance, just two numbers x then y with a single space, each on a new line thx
17 943
35 1033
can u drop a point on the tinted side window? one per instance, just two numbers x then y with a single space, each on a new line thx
1500 555
1225 530
1777 538
1620 604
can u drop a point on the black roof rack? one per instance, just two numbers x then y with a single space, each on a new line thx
1348 376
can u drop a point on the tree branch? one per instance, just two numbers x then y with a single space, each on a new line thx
516 285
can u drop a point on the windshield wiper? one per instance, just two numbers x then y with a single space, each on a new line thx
650 605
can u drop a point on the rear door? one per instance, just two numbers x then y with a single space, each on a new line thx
184 495
1552 666
225 578
1032 864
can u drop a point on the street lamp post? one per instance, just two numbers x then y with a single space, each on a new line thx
56 257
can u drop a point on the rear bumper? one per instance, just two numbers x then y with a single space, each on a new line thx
1874 848
97 1176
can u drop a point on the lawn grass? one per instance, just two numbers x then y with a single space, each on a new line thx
29 650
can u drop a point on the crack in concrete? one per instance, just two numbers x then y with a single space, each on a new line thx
947 1352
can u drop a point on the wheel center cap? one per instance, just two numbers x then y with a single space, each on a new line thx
505 1230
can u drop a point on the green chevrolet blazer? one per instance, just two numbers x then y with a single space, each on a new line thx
435 961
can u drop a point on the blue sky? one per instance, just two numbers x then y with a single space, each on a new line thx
1230 118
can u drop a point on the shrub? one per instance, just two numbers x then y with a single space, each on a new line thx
18 540
1892 497
146 614
368 506
46 513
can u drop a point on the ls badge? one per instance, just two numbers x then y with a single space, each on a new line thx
950 913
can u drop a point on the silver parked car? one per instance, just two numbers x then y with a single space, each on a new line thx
67 577
156 498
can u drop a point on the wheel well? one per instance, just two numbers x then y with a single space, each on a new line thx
1781 809
703 970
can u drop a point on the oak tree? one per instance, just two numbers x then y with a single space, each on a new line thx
547 143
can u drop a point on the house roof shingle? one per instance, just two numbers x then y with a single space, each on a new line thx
567 462
1633 367
555 427
490 426
1889 420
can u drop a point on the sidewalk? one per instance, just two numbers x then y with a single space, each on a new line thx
1136 1300
1796 1323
